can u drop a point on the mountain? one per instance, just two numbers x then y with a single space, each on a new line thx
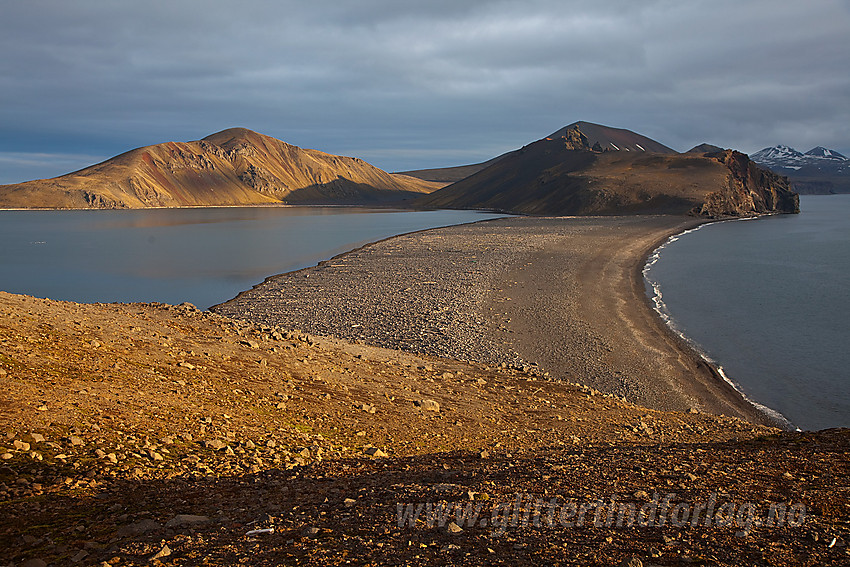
606 138
233 167
566 176
819 170
704 149
601 138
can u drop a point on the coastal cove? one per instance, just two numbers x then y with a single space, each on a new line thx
200 255
766 301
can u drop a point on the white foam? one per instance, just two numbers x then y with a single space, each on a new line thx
657 300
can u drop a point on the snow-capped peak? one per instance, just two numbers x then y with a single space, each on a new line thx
777 153
821 152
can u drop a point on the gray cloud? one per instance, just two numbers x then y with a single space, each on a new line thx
420 84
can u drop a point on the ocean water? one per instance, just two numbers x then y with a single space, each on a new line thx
204 255
768 300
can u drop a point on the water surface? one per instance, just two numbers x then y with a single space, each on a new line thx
201 255
769 301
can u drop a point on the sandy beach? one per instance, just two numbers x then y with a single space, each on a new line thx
564 296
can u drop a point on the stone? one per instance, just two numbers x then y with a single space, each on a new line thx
76 441
21 446
453 528
186 365
368 408
215 444
164 552
249 343
183 520
375 452
633 562
349 502
429 405
34 563
37 437
81 554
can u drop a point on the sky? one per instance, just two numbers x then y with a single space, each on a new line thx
408 85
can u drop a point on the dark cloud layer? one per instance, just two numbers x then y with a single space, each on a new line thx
415 84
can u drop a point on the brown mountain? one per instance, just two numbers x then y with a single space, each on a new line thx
565 176
232 167
599 137
704 149
607 138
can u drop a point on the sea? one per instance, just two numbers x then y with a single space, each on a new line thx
204 256
767 301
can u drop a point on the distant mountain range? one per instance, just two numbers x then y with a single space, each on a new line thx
819 170
232 167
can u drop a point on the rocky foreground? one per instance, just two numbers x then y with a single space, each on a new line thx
159 435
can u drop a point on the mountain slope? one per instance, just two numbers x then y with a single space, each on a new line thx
819 170
232 167
564 176
606 138
600 138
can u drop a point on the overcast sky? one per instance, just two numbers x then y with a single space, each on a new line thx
415 84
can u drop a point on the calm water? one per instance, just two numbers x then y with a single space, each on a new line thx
204 256
769 300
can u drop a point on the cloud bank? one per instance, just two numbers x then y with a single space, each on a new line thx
417 84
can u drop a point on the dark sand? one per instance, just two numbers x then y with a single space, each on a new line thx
566 294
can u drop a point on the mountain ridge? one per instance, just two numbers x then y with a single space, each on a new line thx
819 170
236 166
600 138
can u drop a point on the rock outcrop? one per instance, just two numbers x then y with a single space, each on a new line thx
749 190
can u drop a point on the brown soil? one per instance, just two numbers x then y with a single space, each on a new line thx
121 420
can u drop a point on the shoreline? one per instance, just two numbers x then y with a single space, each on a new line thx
415 327
656 303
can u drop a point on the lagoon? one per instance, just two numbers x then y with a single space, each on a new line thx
201 255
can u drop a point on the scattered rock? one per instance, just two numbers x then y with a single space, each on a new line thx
453 528
21 446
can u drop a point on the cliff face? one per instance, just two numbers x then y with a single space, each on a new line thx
749 189
232 167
